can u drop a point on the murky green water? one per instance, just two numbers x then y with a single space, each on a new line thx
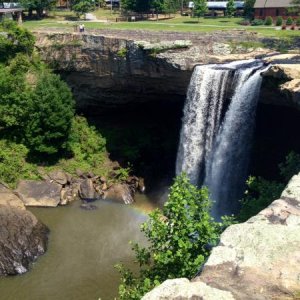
83 248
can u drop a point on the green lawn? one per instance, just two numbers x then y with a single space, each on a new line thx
65 20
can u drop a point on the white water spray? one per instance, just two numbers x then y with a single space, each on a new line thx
214 143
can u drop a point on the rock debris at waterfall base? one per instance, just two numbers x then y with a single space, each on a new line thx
255 260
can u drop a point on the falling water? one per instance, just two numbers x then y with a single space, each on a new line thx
216 137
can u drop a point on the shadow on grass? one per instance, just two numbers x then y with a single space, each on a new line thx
191 22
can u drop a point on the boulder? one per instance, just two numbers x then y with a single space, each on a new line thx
87 190
8 198
39 193
59 177
183 289
255 260
120 192
22 237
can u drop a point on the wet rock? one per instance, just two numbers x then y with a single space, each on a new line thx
87 190
87 206
59 177
141 185
39 193
120 192
22 237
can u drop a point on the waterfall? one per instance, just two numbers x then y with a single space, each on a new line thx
217 129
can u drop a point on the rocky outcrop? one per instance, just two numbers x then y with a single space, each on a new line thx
109 68
283 76
39 193
255 260
22 237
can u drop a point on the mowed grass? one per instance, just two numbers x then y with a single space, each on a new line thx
107 19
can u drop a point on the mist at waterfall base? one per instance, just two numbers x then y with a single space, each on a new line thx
217 130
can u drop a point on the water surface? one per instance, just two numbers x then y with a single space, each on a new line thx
83 248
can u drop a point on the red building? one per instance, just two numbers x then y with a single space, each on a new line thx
274 8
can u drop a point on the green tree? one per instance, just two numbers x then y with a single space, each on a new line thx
81 7
269 21
180 237
249 8
38 5
230 8
14 40
200 8
51 113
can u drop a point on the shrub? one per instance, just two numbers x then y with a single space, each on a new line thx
85 143
257 22
289 21
269 21
180 238
279 21
13 163
291 166
298 22
245 22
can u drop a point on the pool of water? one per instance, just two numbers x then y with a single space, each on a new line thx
83 248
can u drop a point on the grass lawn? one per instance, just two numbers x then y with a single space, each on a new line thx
66 19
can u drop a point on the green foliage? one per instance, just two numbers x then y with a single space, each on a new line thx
13 163
136 5
82 7
289 21
269 21
14 40
180 237
38 5
85 143
279 21
291 166
249 8
122 52
259 194
257 22
230 8
298 22
51 112
200 8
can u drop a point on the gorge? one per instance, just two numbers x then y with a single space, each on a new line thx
136 83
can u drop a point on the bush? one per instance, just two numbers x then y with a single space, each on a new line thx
298 22
291 166
289 21
13 163
180 237
245 22
257 22
269 21
17 40
279 21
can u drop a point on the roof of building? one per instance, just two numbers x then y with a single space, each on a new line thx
10 10
272 3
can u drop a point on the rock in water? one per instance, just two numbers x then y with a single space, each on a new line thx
39 193
120 192
22 237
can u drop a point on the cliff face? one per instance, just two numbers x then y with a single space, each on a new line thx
118 67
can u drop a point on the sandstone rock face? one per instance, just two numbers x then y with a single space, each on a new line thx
258 259
117 67
39 193
22 237
182 288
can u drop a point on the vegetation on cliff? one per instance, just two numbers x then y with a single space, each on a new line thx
180 237
37 122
